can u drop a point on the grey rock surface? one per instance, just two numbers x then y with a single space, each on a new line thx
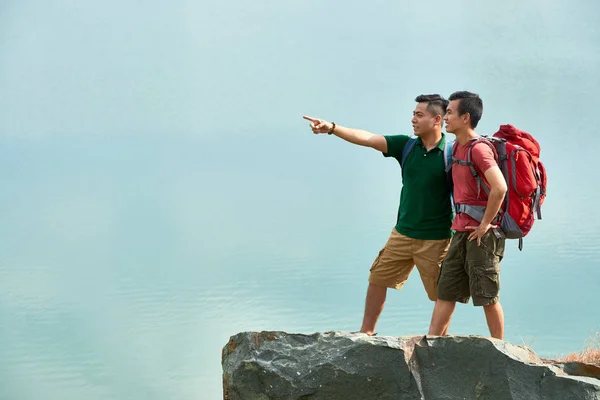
348 366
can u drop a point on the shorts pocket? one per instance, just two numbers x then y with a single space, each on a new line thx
486 281
377 259
499 249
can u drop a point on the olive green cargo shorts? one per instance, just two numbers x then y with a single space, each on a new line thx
470 270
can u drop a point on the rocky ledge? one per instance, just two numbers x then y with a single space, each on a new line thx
348 366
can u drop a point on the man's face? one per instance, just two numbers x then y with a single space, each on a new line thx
422 121
453 121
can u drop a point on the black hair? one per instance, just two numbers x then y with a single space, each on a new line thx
436 104
469 103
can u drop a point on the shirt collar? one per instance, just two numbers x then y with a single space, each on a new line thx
440 144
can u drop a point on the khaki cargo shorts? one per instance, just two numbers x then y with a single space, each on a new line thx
399 256
470 270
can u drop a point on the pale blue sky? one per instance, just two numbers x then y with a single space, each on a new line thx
161 192
252 68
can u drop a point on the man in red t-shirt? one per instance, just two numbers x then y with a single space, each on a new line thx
472 265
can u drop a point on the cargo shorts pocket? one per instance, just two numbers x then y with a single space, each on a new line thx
486 281
499 249
376 261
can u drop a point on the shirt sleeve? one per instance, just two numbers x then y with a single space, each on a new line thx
395 145
483 157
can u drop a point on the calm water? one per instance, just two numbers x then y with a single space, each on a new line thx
160 191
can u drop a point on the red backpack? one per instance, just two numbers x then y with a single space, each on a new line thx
518 156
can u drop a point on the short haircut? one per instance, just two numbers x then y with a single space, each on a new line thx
469 103
436 104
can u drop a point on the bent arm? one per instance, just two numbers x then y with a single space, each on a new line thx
497 191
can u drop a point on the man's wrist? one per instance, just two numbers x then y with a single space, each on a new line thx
330 131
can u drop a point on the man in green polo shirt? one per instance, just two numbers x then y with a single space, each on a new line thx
422 232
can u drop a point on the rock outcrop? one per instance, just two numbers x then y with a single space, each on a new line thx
348 366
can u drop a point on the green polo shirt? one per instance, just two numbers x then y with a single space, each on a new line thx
425 211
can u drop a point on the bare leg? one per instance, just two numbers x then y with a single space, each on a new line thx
495 320
445 330
373 308
445 333
440 320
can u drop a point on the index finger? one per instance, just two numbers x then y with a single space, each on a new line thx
311 119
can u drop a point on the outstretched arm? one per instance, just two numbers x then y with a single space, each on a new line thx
356 136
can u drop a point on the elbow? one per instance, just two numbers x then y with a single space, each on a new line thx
504 188
371 141
376 143
501 190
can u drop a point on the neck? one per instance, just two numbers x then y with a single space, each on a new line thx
431 139
463 136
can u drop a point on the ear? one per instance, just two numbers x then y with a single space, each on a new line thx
466 117
438 120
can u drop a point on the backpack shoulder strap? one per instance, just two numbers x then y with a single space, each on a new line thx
488 142
471 164
448 146
448 152
481 139
407 148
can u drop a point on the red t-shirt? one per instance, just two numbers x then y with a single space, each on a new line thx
465 185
